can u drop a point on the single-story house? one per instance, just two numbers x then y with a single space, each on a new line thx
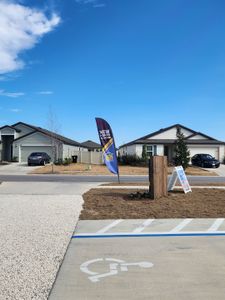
19 140
92 146
162 142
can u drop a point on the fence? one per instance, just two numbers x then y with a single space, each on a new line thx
89 157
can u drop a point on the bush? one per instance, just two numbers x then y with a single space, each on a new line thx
15 159
67 161
131 160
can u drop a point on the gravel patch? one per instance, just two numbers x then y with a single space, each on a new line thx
35 231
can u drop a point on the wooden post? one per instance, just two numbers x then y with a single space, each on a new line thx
158 176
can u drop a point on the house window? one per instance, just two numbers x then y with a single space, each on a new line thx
151 150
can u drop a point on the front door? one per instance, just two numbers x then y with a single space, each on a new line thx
7 141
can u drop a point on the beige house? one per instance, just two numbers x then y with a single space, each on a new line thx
162 142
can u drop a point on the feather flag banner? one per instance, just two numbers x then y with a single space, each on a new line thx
108 145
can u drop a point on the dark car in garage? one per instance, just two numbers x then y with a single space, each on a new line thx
205 161
38 158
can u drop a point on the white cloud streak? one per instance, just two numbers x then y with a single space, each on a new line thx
15 110
11 94
94 3
21 28
45 93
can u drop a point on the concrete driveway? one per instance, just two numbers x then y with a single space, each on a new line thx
16 169
220 171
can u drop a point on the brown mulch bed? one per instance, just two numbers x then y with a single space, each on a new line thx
85 169
116 204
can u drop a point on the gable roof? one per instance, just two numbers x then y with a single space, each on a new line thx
49 133
91 144
200 133
144 139
11 127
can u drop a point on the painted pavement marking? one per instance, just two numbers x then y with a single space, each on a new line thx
115 265
215 226
182 224
111 225
148 234
139 231
143 226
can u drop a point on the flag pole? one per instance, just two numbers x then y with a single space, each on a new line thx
118 176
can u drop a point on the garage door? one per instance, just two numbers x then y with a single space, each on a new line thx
27 150
214 151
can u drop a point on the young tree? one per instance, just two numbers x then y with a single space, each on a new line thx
144 153
53 127
182 154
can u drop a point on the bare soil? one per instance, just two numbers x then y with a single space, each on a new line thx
117 204
85 169
121 184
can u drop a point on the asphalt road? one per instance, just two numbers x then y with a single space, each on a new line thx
74 178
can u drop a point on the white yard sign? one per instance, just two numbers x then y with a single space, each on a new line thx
178 173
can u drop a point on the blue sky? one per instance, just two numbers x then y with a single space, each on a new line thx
142 65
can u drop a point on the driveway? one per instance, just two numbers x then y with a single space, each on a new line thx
16 169
37 222
220 171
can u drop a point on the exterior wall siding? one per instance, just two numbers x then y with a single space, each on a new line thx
137 150
221 153
198 137
68 151
24 130
170 134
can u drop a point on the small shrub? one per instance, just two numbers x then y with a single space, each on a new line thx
67 161
15 159
131 160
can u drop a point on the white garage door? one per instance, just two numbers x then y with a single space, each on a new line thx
27 150
214 151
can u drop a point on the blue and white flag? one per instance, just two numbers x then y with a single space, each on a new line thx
108 145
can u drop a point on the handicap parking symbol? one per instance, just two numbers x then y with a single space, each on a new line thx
115 266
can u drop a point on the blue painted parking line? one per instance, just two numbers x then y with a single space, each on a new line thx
152 234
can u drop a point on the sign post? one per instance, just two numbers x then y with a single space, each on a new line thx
158 177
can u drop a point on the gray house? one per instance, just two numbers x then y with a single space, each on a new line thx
92 146
162 142
19 140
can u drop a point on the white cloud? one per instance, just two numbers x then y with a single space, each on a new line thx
21 28
15 110
45 93
11 94
94 3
